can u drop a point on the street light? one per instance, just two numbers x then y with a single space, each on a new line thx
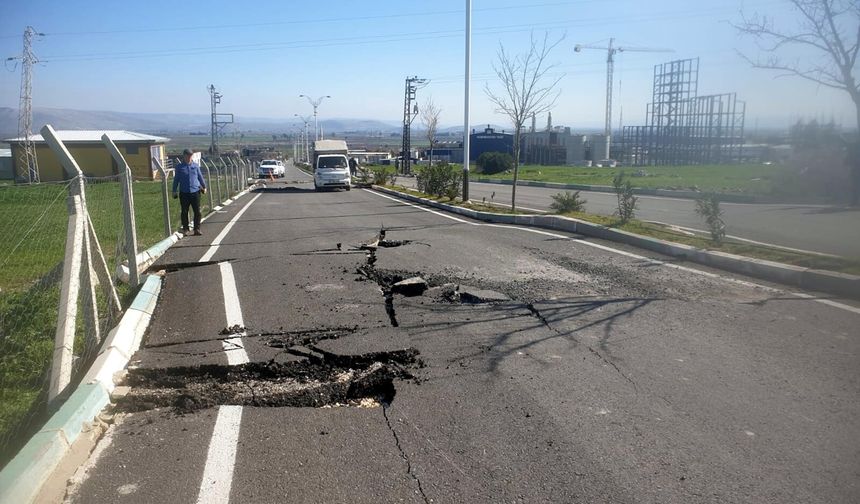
305 120
467 93
315 104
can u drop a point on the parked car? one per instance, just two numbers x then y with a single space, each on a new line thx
271 168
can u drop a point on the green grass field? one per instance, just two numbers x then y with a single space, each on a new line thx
743 179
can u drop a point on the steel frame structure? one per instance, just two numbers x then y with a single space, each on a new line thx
683 128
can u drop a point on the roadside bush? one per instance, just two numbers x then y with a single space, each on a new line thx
626 199
442 180
383 175
568 202
708 207
491 163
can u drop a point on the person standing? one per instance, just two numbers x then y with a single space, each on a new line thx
188 179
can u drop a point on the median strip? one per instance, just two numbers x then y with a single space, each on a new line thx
841 284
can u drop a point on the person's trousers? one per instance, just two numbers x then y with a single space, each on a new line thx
190 200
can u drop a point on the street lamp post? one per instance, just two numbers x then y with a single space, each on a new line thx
307 121
315 104
466 138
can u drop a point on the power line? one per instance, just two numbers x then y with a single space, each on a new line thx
314 21
375 39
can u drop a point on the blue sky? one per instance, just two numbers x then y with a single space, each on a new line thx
159 56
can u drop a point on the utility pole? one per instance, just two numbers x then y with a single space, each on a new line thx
409 114
610 69
315 104
27 154
218 120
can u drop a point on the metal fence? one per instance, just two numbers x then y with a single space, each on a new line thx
69 267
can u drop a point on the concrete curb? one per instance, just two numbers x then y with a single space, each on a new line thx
666 193
840 284
23 477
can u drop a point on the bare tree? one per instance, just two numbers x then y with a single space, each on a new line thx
830 27
430 119
526 90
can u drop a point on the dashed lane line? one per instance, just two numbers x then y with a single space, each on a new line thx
221 458
217 241
234 348
649 260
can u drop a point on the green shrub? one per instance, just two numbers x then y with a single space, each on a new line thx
626 199
383 175
708 207
491 163
568 202
440 179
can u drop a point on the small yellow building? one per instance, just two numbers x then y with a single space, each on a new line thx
139 150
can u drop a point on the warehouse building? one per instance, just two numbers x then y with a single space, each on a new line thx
140 151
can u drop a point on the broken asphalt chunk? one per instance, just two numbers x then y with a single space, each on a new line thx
474 295
414 286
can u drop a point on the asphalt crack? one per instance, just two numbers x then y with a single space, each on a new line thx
409 469
324 378
538 315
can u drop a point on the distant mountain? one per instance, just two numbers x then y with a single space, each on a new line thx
167 123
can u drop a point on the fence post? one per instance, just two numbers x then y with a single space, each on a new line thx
64 337
244 170
103 275
229 167
208 184
128 211
89 303
217 184
238 172
165 198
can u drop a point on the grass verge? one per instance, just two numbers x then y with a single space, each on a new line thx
33 221
729 246
753 179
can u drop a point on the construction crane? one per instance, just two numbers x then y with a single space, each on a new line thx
610 69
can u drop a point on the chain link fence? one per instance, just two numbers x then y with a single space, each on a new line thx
33 222
36 224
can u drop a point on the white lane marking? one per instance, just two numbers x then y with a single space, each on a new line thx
747 240
649 260
221 459
217 241
828 302
234 349
402 202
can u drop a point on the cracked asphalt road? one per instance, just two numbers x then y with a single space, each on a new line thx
591 377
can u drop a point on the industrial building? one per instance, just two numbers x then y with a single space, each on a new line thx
490 141
139 150
554 147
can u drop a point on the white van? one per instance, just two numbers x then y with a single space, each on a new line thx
331 166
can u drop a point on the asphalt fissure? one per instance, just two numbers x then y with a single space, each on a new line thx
322 379
409 469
